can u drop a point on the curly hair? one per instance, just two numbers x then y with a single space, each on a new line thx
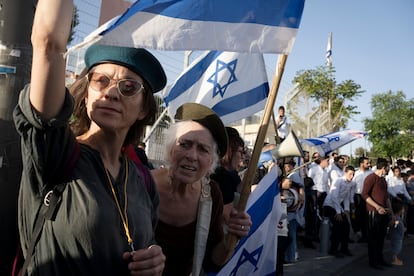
80 121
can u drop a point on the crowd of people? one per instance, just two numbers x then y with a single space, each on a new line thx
91 204
366 204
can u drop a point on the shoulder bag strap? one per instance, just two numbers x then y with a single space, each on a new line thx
47 210
49 207
202 228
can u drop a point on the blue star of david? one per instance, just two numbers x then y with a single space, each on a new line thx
245 256
223 68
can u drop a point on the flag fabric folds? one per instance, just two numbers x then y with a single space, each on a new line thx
256 254
266 26
327 143
233 84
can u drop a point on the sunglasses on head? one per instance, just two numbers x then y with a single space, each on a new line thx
127 87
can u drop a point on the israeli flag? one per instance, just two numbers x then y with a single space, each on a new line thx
256 254
327 143
233 84
265 26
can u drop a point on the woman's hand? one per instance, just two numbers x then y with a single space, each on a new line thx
239 223
148 261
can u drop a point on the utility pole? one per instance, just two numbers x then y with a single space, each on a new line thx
16 18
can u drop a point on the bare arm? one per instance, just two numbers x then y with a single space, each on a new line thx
50 33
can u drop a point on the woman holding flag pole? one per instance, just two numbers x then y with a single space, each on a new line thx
190 227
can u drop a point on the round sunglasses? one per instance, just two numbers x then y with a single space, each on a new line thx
126 87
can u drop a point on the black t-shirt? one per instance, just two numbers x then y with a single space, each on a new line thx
228 182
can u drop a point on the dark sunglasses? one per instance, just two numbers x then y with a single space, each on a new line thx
127 87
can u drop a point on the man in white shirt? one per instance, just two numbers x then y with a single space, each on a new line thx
320 178
337 207
360 221
336 169
282 125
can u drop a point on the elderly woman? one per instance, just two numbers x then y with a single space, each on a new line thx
106 218
195 144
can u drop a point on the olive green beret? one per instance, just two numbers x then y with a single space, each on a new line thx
207 118
137 60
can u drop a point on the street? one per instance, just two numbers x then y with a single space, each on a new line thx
360 267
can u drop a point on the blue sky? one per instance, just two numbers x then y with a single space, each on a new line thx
372 44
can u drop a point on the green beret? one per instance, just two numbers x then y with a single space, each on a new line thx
137 60
207 118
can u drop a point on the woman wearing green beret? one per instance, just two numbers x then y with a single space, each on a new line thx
105 222
190 228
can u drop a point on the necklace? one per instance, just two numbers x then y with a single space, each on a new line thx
122 213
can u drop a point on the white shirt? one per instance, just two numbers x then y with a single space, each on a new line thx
359 178
341 192
334 174
282 127
320 178
397 186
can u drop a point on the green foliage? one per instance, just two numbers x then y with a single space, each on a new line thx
320 84
391 128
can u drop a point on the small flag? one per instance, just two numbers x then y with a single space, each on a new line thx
264 26
329 51
233 84
332 141
256 254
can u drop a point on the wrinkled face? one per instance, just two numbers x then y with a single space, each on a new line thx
192 154
349 175
106 106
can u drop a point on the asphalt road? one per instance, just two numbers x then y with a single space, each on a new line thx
360 267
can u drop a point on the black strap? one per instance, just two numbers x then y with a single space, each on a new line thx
47 211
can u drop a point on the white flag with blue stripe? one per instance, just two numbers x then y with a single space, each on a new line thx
327 143
233 84
266 26
256 254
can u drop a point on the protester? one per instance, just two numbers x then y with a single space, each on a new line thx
379 210
195 144
396 232
336 169
282 125
294 215
320 179
105 224
361 218
397 188
337 207
226 175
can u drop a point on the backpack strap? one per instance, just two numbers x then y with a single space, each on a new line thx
143 171
49 207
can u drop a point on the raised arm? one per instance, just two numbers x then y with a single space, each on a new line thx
51 28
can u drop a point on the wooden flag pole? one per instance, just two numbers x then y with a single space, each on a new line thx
232 240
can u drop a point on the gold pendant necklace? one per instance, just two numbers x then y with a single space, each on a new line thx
122 214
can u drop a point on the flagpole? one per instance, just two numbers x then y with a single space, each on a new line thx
231 240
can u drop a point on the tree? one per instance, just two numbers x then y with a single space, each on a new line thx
391 128
320 85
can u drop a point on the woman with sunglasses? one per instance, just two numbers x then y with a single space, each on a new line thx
106 218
